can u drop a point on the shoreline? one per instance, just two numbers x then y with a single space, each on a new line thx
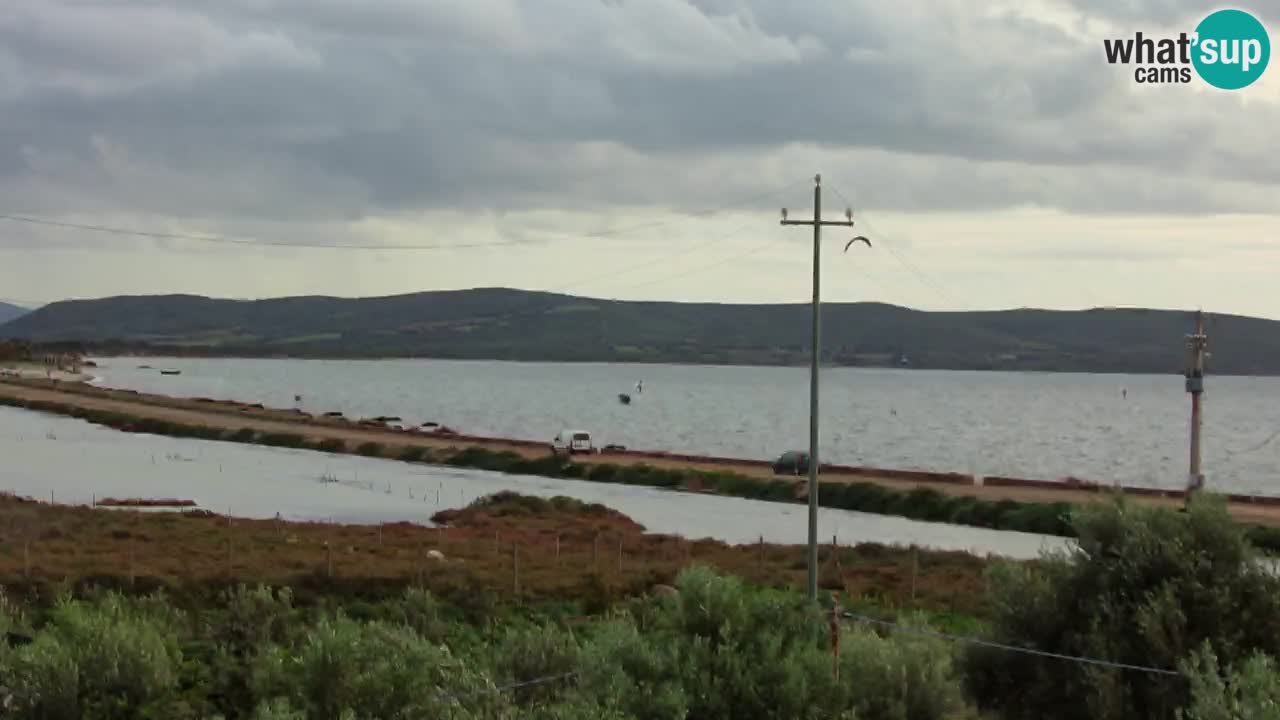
67 398
801 364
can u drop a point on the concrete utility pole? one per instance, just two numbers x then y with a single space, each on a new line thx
1196 345
817 222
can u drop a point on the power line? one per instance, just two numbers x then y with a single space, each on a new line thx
594 278
699 213
703 268
911 267
911 630
504 688
220 239
640 266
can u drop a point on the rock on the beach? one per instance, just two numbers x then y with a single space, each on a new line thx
435 555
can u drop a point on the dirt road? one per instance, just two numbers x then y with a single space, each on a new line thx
234 416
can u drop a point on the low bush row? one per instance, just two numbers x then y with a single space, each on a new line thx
714 650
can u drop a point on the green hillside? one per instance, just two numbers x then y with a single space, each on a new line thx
517 325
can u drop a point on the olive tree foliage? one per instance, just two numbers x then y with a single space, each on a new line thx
1145 587
718 650
904 676
103 659
1250 691
370 670
715 650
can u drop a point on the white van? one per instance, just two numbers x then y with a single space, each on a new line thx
572 441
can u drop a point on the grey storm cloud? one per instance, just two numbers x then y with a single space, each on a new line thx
302 110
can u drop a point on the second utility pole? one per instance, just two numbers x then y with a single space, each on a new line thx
1196 345
817 224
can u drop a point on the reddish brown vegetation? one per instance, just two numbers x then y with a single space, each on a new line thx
146 502
588 553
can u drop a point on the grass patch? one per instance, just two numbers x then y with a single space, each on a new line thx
369 449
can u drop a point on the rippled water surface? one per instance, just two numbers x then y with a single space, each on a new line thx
70 461
1113 428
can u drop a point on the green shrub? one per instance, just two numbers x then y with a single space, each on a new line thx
247 622
648 476
485 459
289 440
1147 587
278 709
634 674
413 454
546 466
243 435
369 449
737 485
331 445
1251 690
764 652
1264 538
529 653
925 503
102 660
903 675
423 613
371 670
603 473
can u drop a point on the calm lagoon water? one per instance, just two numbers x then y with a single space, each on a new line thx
1130 429
76 461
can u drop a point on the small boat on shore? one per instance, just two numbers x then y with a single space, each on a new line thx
170 372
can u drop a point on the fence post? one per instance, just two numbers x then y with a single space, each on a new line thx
835 637
619 554
379 534
515 569
762 549
915 562
557 548
595 549
328 547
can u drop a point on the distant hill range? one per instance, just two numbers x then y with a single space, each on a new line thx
9 312
506 324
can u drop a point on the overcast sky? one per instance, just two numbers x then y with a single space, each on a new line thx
992 155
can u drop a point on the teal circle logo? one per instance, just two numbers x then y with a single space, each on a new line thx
1231 49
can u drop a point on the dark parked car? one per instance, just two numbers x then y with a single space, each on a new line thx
793 462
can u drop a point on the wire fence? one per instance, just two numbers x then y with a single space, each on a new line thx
924 632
